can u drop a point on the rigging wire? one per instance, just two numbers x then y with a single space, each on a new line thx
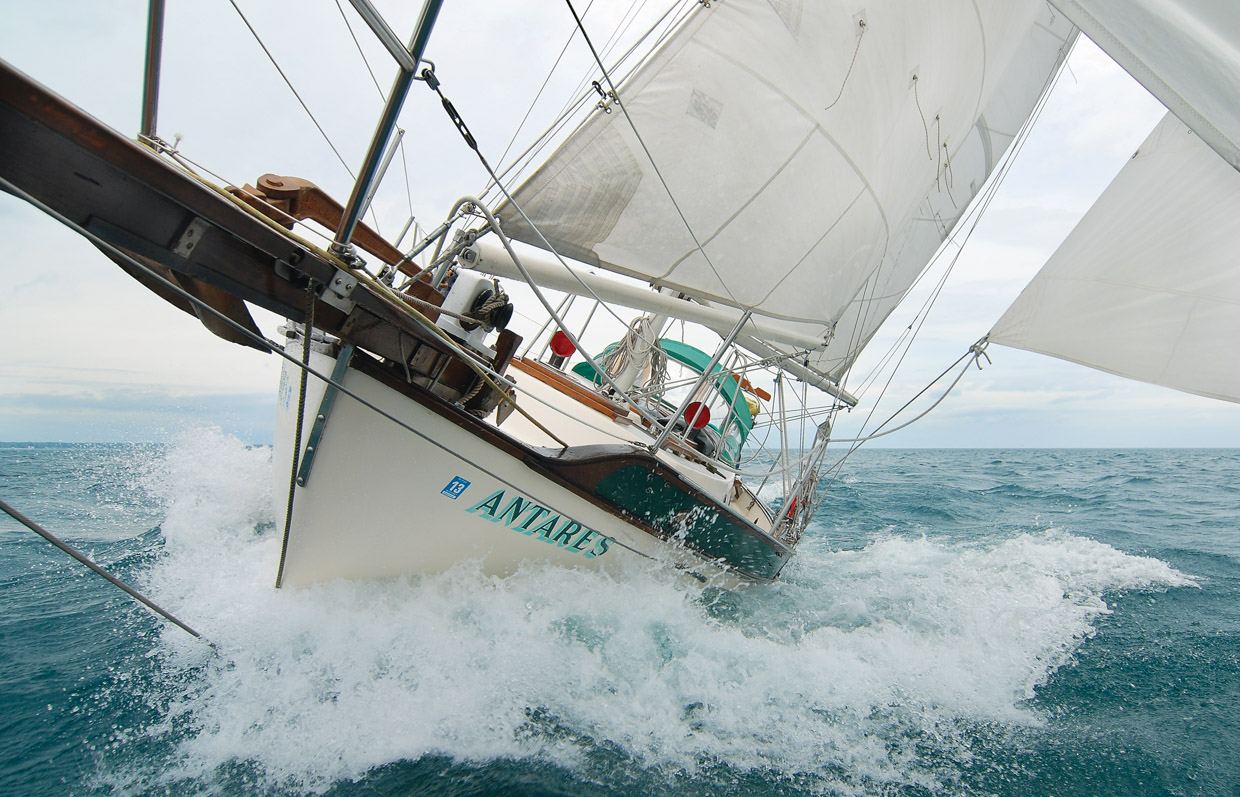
358 45
537 96
658 173
974 353
867 303
289 83
583 93
670 21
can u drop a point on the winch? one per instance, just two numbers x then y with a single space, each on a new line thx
476 296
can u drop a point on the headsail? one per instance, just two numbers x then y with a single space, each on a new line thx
817 154
1148 284
1185 52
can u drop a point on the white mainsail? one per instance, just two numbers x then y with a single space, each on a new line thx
1185 52
818 153
1148 284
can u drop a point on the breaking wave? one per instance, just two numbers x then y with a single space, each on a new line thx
863 669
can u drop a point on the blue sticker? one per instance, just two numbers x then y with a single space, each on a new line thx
455 488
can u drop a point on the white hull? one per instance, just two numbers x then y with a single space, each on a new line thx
382 501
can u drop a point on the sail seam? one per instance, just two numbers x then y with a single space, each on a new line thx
847 158
744 205
825 234
658 173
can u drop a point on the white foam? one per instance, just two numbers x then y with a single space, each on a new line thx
835 674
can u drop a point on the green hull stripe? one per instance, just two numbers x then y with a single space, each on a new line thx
718 534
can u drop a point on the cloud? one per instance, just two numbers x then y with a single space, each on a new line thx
131 415
91 353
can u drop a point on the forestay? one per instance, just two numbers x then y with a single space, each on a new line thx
817 153
1148 284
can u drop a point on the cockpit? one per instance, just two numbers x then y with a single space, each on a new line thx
718 417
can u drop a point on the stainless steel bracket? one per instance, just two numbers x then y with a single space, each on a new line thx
325 411
190 238
339 290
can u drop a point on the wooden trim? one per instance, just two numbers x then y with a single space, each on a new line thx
563 383
584 395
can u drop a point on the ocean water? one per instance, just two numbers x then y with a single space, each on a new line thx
1029 622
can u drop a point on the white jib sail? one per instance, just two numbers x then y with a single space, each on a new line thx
816 173
1185 52
1148 284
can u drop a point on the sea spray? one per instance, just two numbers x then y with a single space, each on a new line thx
865 668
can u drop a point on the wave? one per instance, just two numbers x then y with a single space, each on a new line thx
861 670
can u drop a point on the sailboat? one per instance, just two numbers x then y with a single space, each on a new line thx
772 176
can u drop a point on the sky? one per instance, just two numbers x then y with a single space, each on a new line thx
91 356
